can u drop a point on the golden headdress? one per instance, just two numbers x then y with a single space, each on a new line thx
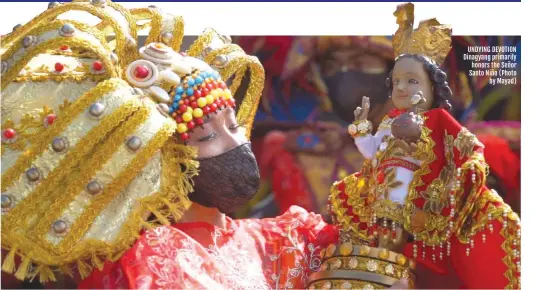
86 155
431 38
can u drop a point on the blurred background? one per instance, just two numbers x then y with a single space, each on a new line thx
313 85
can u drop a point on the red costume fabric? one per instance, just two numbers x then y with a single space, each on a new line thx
248 254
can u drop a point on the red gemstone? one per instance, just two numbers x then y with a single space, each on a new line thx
50 119
185 136
199 121
64 47
363 226
141 71
9 133
191 125
58 67
209 86
341 186
446 211
206 110
98 66
182 108
355 219
197 93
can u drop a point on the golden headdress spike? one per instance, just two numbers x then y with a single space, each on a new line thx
431 38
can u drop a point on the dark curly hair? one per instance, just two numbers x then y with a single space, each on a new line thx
441 90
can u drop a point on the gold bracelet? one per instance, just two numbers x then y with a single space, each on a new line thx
360 128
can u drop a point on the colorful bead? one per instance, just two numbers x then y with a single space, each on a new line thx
197 93
191 82
64 47
202 102
199 121
190 125
187 116
182 128
185 136
49 120
198 113
189 92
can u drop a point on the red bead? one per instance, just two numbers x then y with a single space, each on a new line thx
64 47
197 93
209 86
58 67
182 108
9 133
214 107
231 103
98 66
191 125
199 121
186 102
192 99
204 91
141 71
181 103
50 119
222 85
185 136
179 119
206 110
193 105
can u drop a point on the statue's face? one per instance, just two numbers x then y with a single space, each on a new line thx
351 74
408 78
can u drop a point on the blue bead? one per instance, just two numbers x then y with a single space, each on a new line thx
191 82
177 98
189 92
199 81
171 109
179 91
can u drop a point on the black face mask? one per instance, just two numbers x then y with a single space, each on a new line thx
346 90
227 181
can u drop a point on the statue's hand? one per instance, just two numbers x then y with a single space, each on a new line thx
361 112
401 284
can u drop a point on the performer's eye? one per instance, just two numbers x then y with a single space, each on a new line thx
234 126
395 82
413 81
208 137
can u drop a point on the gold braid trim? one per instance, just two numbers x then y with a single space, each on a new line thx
237 81
79 78
43 191
54 25
24 246
178 33
131 53
59 125
49 14
155 24
102 53
425 149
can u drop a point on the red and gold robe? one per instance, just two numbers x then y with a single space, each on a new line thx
459 225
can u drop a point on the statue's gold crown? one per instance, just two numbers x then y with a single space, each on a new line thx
431 38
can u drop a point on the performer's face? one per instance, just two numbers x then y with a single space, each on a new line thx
220 133
351 74
408 78
228 173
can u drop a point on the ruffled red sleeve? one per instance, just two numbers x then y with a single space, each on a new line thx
249 254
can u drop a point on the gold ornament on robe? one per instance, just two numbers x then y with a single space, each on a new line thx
87 153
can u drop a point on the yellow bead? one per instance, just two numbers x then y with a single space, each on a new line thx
227 94
189 109
201 103
198 113
209 99
220 92
182 128
215 94
187 116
